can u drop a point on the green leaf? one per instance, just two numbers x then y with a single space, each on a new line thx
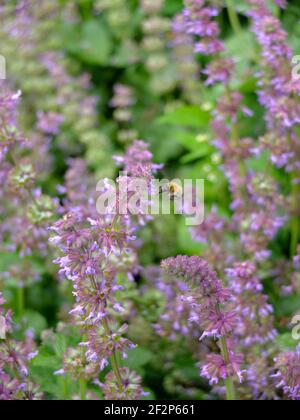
46 379
287 306
95 45
185 242
186 139
138 358
172 7
205 149
249 85
286 342
47 360
163 143
191 116
193 141
35 321
60 345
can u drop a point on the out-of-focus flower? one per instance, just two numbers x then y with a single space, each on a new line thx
49 123
287 374
208 300
130 389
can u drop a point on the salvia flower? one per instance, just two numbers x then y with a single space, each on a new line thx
255 314
77 366
104 342
8 132
216 368
199 15
208 299
187 69
96 251
287 375
130 389
49 123
14 359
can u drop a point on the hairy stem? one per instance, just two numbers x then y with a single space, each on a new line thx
295 227
82 384
113 359
21 301
230 392
66 388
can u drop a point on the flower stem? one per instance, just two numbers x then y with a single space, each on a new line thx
82 384
21 301
233 17
66 388
295 227
113 359
230 392
116 370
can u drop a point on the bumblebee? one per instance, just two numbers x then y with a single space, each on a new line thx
173 189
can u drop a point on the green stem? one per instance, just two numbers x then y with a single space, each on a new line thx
113 359
21 301
116 370
82 380
230 392
82 385
295 227
66 388
233 17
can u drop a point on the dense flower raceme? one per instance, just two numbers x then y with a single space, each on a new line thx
92 248
63 105
9 135
278 87
14 359
255 313
98 255
199 19
257 219
60 98
241 313
24 207
209 302
156 29
173 323
287 374
255 327
257 228
131 389
25 211
122 102
278 93
256 202
186 67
